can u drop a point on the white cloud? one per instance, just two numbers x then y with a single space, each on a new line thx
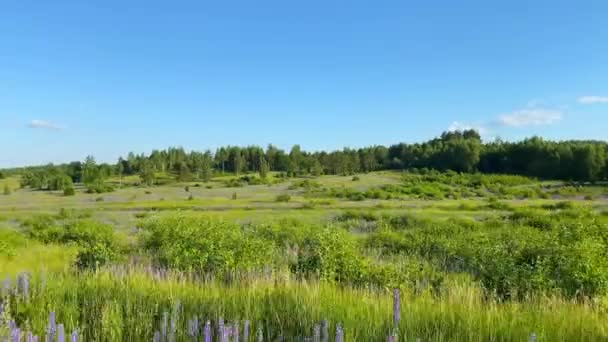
592 99
530 117
44 125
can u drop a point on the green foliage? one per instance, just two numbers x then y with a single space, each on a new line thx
330 254
69 191
204 245
532 252
283 198
7 190
147 176
60 229
95 255
264 168
234 183
10 240
99 188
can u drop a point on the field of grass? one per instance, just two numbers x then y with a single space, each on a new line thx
476 258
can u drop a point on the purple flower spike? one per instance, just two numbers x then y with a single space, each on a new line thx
16 335
207 332
74 336
339 333
60 333
52 328
396 308
246 331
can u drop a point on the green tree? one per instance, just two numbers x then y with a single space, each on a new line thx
264 168
147 175
7 189
183 173
90 172
206 167
317 168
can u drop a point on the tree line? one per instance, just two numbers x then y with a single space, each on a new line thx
461 151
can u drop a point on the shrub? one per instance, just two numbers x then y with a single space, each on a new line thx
330 254
234 183
48 229
7 190
283 198
95 255
99 188
356 179
69 191
204 245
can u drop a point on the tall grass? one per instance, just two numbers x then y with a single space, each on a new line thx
115 305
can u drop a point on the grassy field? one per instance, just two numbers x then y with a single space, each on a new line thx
490 258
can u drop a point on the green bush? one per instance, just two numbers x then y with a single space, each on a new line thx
69 191
283 198
99 188
234 183
330 254
49 229
95 255
204 245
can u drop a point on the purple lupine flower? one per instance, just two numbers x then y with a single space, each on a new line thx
225 334
316 333
396 308
246 331
23 284
29 337
16 334
52 328
339 333
35 339
60 333
390 338
260 334
74 336
156 337
207 332
6 285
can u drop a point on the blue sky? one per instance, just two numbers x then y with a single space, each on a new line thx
107 77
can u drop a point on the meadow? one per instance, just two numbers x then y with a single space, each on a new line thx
475 257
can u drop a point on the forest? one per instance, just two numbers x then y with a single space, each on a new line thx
459 151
